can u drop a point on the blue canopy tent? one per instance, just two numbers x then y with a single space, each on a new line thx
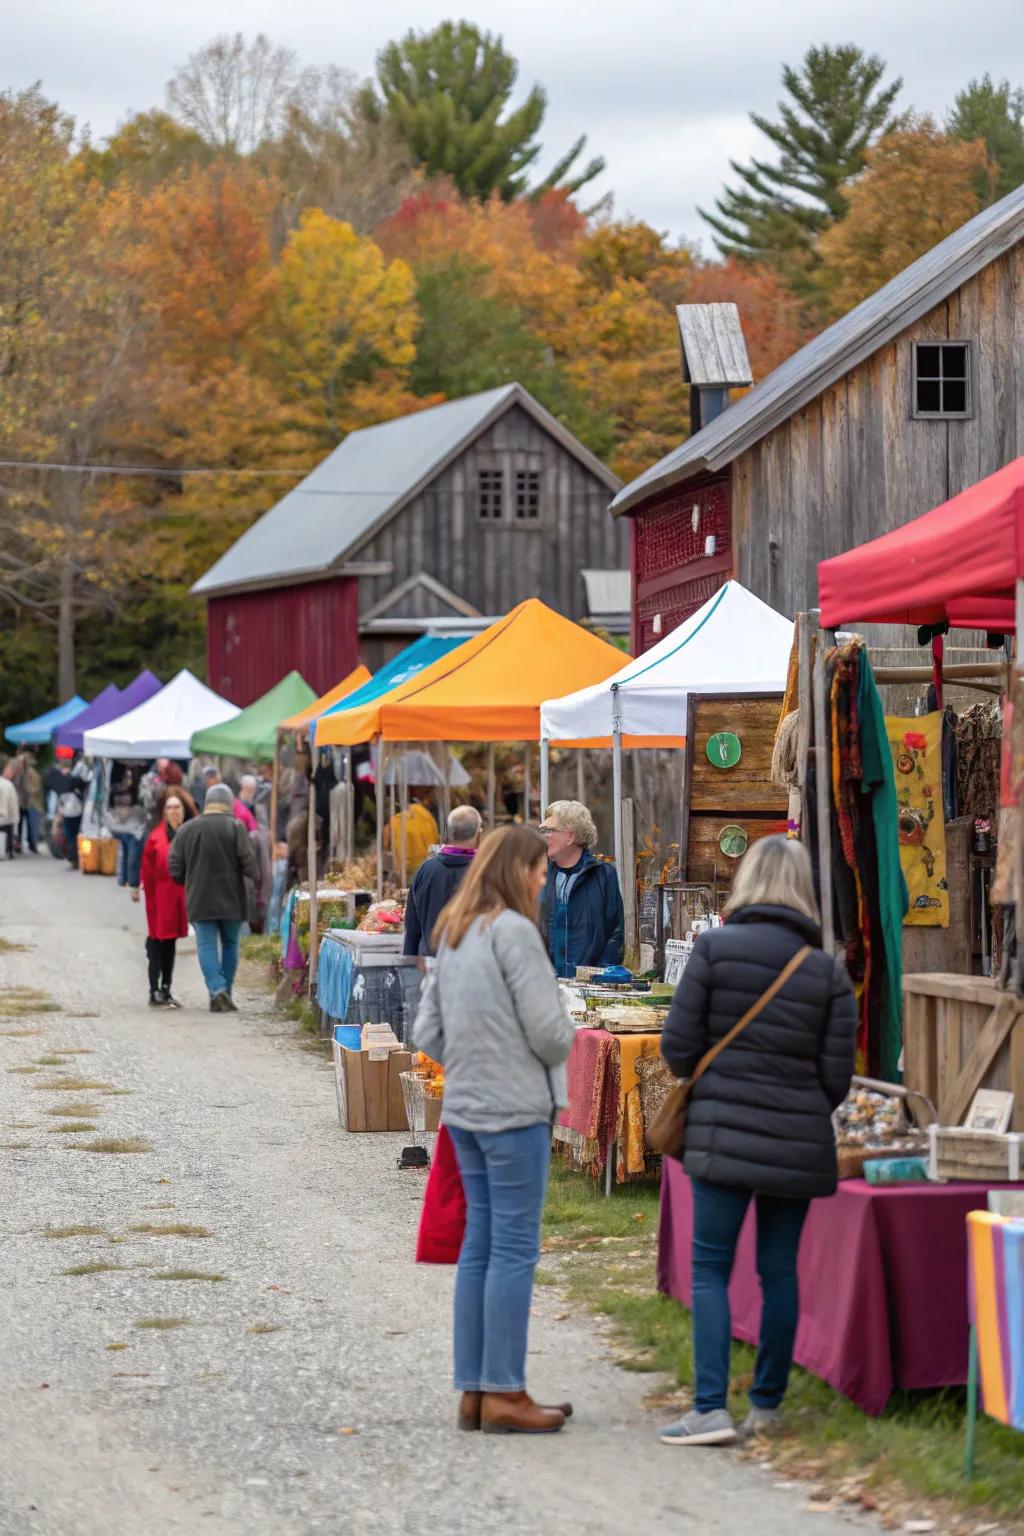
422 653
32 733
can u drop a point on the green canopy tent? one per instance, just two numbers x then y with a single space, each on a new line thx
252 734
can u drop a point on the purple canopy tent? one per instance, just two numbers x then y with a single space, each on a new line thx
109 705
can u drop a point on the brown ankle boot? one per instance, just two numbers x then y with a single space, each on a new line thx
516 1413
469 1410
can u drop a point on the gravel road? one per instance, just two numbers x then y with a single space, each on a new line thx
306 1389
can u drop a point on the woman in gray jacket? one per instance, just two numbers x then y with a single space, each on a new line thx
492 1015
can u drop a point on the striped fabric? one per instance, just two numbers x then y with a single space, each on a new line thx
996 1272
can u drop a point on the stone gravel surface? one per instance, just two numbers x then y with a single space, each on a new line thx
306 1389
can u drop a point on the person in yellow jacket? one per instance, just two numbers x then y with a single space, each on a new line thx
421 834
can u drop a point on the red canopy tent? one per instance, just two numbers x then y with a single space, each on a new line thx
960 562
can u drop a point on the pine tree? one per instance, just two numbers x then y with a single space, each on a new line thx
445 92
994 113
837 107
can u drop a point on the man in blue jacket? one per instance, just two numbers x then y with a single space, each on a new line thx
438 878
581 911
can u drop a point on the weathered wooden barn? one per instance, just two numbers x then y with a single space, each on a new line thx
911 397
445 518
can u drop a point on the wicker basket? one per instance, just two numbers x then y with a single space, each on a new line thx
955 1153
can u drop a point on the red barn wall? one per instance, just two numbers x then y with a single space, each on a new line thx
672 574
254 638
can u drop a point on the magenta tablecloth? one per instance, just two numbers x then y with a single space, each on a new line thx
883 1283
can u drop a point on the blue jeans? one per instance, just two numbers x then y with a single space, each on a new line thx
131 859
217 948
505 1176
718 1213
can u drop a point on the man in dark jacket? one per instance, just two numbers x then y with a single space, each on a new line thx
581 909
211 856
438 878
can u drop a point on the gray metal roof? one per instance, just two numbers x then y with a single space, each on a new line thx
714 351
607 592
363 483
843 346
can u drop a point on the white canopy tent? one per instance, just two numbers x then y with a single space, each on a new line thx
734 644
164 725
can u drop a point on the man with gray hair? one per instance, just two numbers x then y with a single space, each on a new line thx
438 878
211 856
581 909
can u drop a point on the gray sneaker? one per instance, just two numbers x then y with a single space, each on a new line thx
713 1428
761 1421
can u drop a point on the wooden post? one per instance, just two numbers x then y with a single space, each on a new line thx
617 780
275 770
684 789
527 779
378 795
803 737
350 808
491 787
627 885
314 931
581 775
823 790
404 802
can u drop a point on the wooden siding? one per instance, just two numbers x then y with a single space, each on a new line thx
855 463
254 638
495 565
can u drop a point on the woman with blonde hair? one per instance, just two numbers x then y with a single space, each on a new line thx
492 1015
759 1120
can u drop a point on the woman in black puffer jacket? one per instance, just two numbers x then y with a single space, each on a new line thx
759 1120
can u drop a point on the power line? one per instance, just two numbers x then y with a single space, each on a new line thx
140 469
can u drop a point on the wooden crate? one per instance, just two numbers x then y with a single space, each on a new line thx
960 1033
978 1156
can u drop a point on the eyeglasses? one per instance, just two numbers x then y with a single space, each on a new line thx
550 831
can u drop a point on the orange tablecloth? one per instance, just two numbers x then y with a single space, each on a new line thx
604 1095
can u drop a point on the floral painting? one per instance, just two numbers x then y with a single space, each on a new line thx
917 760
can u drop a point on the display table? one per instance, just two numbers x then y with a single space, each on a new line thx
883 1283
364 978
604 1097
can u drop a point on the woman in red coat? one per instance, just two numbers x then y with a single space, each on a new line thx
165 901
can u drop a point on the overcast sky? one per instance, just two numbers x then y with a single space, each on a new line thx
662 88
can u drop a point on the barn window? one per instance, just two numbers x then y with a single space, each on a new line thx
527 495
942 378
489 493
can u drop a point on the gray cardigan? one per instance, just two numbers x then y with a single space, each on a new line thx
492 1014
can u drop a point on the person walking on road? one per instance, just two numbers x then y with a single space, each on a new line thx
582 916
30 799
211 857
759 1119
491 1013
436 881
166 921
125 820
9 810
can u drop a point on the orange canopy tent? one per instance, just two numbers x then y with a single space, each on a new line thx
349 684
489 689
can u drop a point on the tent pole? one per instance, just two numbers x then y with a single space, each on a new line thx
617 781
581 775
823 790
404 802
314 931
491 786
273 791
527 777
378 796
446 793
350 809
545 776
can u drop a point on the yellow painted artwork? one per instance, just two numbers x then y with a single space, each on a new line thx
916 745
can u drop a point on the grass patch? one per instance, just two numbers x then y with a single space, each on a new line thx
175 1229
22 1069
14 1001
15 1146
98 1268
74 1050
116 1144
185 1274
49 1061
9 948
71 1128
261 948
79 1231
914 1451
117 1093
115 1346
264 1328
19 1034
74 1085
162 1323
77 1111
305 1015
23 1125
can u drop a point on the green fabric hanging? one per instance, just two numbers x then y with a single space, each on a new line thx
880 783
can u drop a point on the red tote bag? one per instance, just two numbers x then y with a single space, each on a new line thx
443 1218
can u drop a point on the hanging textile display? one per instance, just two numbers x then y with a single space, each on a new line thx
916 745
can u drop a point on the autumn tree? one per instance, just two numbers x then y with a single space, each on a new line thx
236 94
918 186
447 94
837 105
146 149
994 114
